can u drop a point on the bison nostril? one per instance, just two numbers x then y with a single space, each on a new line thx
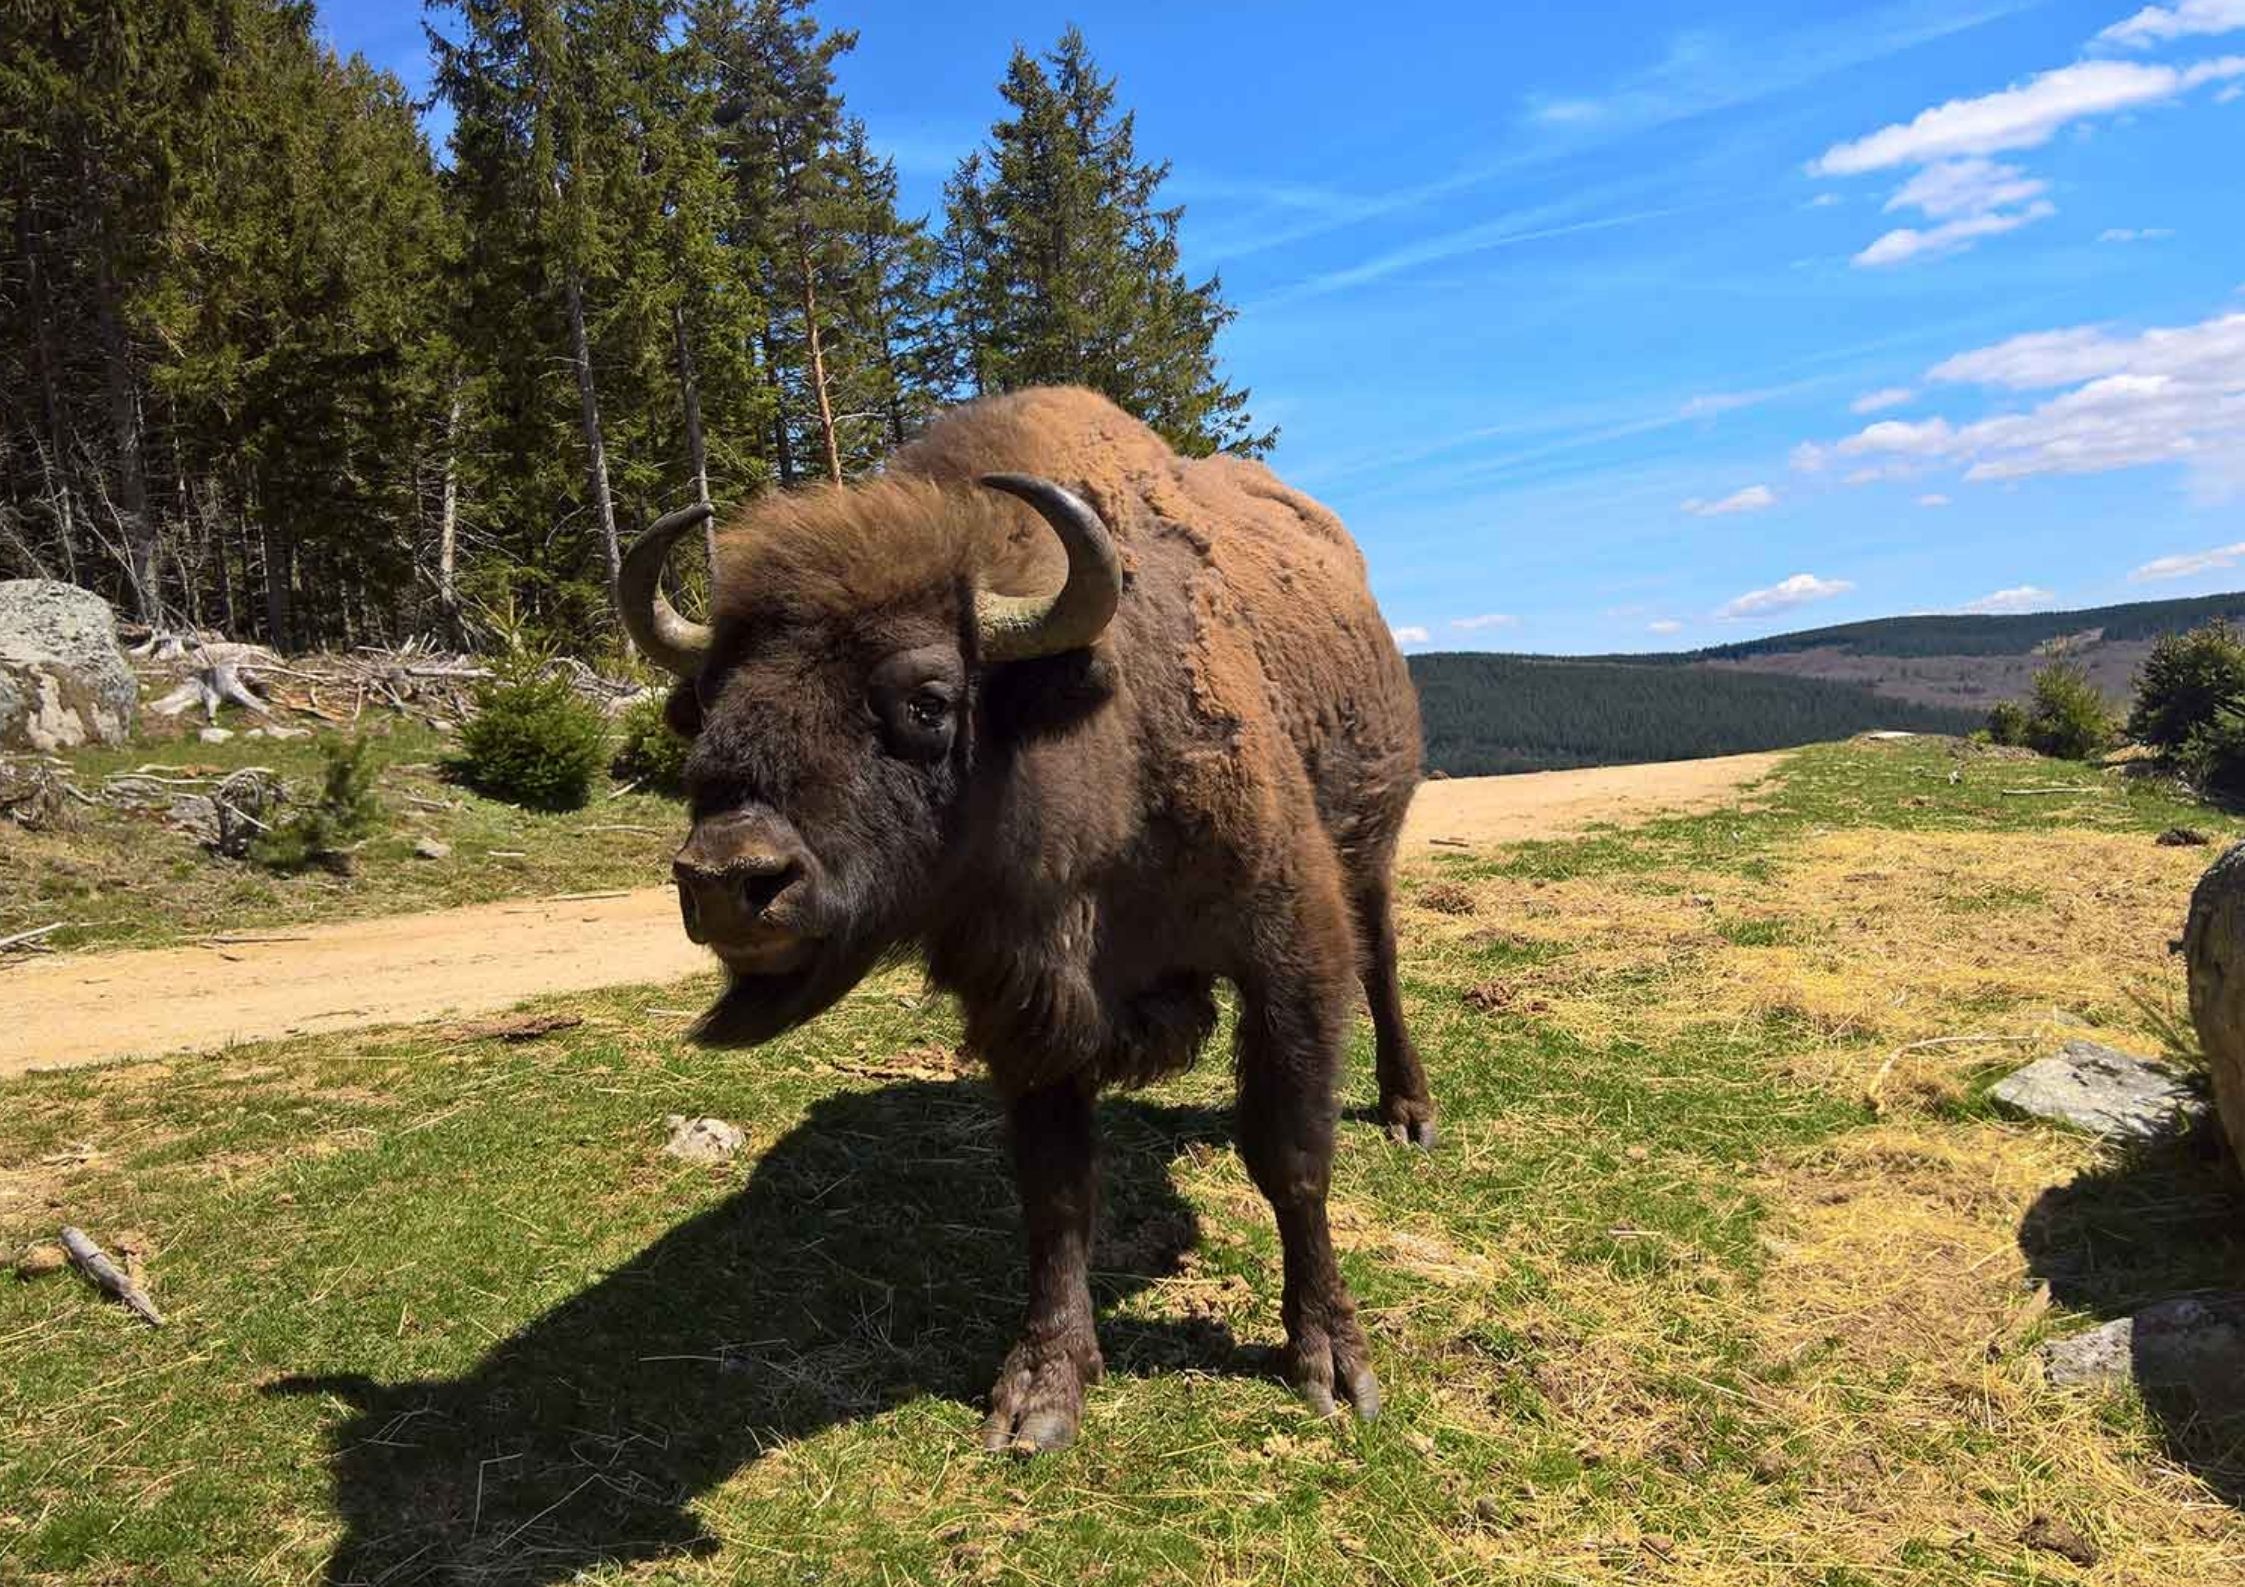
758 887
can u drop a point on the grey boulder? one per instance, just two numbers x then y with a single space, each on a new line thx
2192 1343
63 681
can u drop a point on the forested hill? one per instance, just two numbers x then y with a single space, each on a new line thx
1948 634
1486 714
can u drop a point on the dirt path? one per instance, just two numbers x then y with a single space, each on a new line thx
84 1008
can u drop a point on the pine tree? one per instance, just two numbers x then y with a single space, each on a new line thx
1062 267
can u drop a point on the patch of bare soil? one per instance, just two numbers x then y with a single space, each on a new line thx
84 1008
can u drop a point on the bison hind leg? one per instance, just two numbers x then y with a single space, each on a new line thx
1406 1103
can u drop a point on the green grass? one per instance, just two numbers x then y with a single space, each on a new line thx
442 1310
126 879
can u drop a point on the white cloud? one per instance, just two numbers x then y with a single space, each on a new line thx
2019 598
1933 498
1664 625
1752 499
1411 634
2185 564
1969 196
1966 187
2023 116
1798 590
1485 620
2167 395
1906 243
2135 234
2158 24
1881 399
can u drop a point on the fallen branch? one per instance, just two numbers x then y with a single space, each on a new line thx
1878 1081
29 940
104 1275
2030 793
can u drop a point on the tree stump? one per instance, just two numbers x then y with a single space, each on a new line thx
2214 951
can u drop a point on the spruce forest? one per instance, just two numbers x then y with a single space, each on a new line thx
271 363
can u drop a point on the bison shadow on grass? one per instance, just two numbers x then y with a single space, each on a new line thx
871 1258
2147 1222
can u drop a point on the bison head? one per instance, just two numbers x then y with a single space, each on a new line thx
833 706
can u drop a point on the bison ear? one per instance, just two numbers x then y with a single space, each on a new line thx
683 710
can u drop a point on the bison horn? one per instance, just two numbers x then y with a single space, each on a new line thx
1020 627
662 636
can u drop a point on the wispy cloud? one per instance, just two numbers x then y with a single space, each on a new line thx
1708 404
1969 196
1485 620
1754 498
1882 399
1411 634
1933 499
2159 24
2188 564
1906 243
1799 590
1664 625
2019 598
2135 234
2172 394
1506 231
2024 116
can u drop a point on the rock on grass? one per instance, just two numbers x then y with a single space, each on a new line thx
2098 1089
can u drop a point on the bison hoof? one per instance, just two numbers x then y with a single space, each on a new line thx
1038 1399
1321 1365
1409 1123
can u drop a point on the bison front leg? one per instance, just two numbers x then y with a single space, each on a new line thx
1038 1399
1290 1050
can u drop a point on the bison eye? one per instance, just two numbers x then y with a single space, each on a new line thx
927 710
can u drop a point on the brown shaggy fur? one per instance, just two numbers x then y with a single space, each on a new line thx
1214 791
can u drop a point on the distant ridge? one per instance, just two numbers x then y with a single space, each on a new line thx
1489 712
1969 634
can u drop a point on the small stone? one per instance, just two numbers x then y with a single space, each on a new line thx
1636 1154
703 1140
276 730
2054 1536
2098 1089
1419 1442
255 732
2192 1343
432 849
39 1260
2183 838
215 735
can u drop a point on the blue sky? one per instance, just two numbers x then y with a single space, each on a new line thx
1641 326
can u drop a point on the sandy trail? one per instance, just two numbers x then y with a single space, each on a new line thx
260 984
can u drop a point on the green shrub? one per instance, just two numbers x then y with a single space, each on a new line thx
2212 759
2067 718
2184 683
532 742
652 757
326 831
2007 723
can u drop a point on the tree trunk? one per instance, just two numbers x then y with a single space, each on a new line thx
448 526
596 452
132 476
697 444
278 612
817 356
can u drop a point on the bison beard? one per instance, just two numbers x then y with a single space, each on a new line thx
1091 727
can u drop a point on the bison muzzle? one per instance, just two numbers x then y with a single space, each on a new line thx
1090 726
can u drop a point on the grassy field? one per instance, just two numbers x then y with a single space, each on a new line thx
1724 1273
126 879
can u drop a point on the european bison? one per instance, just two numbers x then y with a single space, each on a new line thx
1090 725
